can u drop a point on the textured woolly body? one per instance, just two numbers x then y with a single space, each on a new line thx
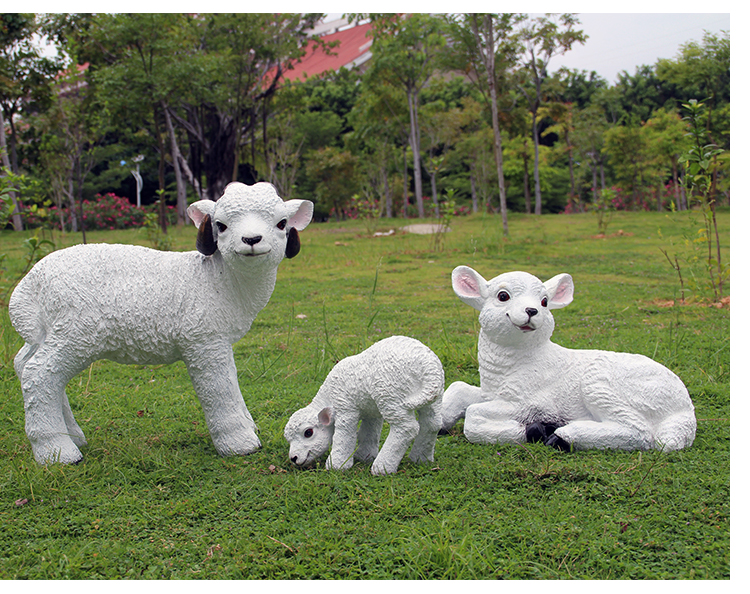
156 311
589 398
132 304
392 380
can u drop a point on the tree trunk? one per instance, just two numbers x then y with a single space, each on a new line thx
537 183
474 200
406 183
415 142
526 190
16 217
182 217
488 57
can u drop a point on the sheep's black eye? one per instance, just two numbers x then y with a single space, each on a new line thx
308 432
221 226
281 224
503 295
544 302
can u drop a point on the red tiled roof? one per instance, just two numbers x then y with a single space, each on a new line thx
354 47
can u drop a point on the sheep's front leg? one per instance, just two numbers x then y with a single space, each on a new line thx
457 398
402 432
492 422
214 376
344 442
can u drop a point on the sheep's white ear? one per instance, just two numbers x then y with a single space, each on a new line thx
470 286
300 213
326 416
197 211
559 291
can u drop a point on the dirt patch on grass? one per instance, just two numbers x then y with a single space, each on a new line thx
723 303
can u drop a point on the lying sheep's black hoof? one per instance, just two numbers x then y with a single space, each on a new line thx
535 433
558 443
539 431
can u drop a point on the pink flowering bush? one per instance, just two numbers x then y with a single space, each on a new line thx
106 212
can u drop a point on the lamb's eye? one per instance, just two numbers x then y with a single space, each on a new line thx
281 224
221 226
308 432
503 295
544 302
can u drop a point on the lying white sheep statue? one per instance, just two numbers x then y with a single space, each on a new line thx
135 305
532 389
392 380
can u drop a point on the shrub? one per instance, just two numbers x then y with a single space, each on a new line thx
106 212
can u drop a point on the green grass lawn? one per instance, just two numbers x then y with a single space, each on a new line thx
153 500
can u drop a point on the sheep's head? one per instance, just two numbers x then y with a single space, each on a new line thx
309 435
250 222
514 307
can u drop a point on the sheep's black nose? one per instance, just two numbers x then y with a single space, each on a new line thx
293 459
252 240
531 312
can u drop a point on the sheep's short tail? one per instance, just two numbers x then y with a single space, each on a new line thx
676 431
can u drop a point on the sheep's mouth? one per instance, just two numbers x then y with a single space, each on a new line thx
522 328
253 254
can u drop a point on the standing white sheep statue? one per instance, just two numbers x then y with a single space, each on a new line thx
392 380
135 305
532 389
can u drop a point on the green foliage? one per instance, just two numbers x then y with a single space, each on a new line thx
604 208
702 167
152 500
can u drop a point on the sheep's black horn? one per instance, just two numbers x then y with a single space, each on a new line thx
293 244
205 242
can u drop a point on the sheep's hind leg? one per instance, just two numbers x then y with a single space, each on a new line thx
402 432
368 439
589 435
50 426
423 449
229 423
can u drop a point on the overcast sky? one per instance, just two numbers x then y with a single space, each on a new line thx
625 41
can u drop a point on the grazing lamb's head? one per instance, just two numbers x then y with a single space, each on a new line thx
250 222
309 435
514 307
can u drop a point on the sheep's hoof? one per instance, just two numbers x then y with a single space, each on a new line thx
554 441
536 432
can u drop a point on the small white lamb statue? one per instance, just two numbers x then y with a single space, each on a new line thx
135 305
532 389
392 380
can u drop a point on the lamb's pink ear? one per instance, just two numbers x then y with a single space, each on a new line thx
469 286
300 213
198 211
559 291
326 416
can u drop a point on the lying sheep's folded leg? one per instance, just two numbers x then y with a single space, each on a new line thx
492 422
402 432
457 398
586 435
214 378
